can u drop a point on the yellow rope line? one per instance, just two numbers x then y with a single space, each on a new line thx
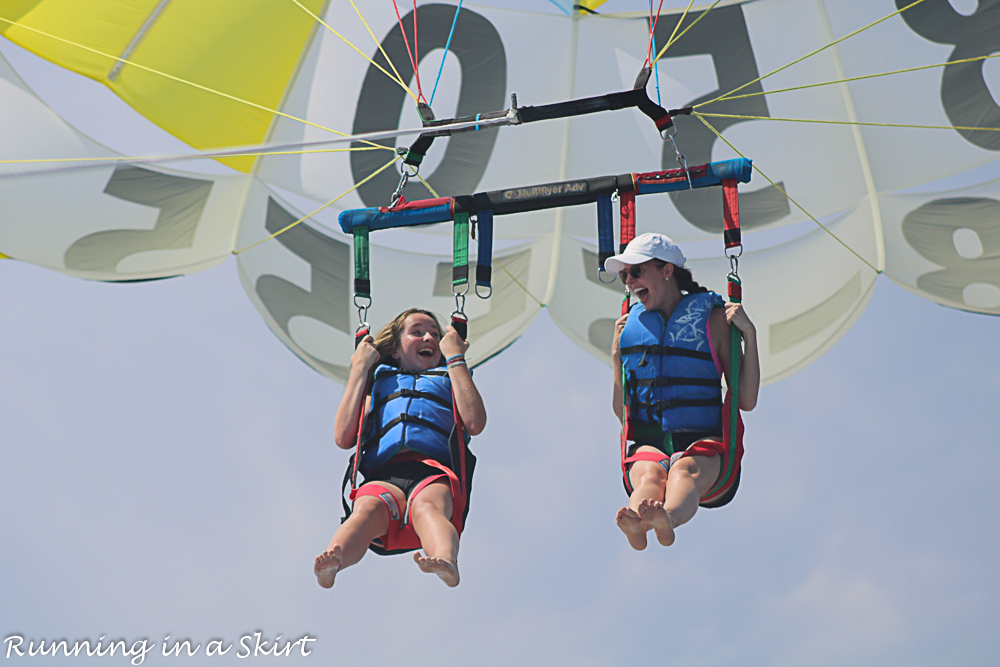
382 51
693 24
337 198
677 27
849 122
493 257
853 78
808 55
782 191
427 185
180 80
171 158
363 54
517 282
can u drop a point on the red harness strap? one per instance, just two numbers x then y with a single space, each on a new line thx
401 535
731 213
627 207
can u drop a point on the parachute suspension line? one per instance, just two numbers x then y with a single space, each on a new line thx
560 7
427 185
381 50
137 38
859 144
670 40
651 46
782 191
172 158
335 199
574 41
518 282
849 122
656 73
447 46
809 55
178 79
413 53
364 55
673 39
728 98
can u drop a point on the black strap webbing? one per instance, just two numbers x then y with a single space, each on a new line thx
666 349
677 382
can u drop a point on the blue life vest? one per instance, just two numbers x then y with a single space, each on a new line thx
412 409
671 379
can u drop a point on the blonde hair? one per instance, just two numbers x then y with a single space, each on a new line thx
388 340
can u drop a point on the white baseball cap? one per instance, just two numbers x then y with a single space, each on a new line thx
644 248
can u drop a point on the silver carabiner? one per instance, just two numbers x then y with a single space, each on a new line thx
362 311
460 300
404 178
682 160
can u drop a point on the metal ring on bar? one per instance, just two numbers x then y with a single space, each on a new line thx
601 270
488 294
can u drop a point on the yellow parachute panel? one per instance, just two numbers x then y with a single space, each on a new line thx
245 49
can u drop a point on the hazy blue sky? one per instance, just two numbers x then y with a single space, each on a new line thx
168 469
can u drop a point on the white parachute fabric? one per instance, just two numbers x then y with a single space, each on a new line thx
921 205
301 282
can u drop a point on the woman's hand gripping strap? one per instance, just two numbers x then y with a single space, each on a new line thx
734 287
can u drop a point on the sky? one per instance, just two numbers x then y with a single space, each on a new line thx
169 470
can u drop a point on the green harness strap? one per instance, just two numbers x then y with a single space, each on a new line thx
362 278
460 265
736 347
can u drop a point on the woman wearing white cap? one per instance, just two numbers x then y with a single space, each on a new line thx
669 354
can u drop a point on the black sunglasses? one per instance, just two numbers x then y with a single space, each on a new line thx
635 270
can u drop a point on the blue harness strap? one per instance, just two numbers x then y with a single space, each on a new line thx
484 258
605 230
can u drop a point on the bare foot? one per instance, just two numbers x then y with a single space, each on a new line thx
631 525
327 565
447 570
652 514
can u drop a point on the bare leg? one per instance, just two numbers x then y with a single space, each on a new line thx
648 483
369 519
652 514
431 515
690 478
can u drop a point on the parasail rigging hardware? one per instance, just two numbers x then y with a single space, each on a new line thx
460 209
479 209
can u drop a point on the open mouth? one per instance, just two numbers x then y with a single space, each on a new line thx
426 354
640 292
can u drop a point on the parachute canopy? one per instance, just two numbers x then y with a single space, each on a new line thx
895 174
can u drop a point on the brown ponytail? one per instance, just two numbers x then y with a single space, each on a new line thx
686 282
